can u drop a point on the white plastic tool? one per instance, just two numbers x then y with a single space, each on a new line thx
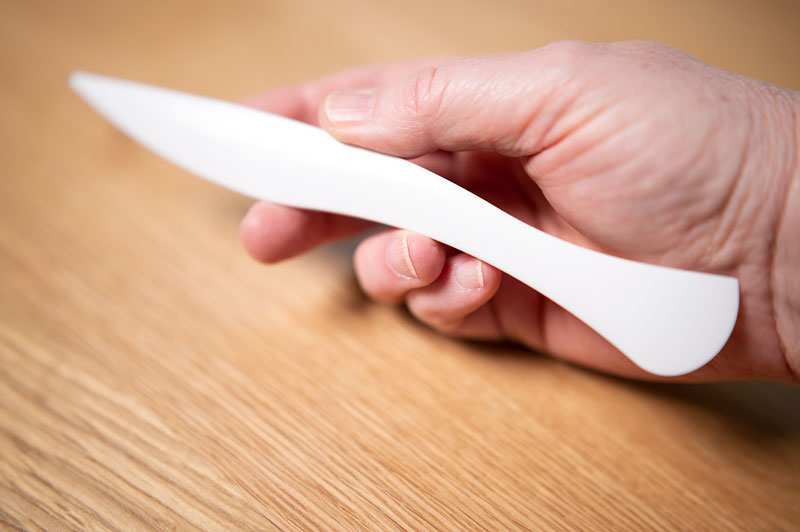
667 321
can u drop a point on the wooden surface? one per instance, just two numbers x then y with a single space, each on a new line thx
153 377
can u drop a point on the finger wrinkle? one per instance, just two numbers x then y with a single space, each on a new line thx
406 255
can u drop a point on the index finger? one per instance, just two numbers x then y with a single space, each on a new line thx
302 101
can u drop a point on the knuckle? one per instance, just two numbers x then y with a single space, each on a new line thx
449 328
376 290
378 293
438 320
567 51
564 63
425 91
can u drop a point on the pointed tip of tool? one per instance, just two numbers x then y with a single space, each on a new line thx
76 78
86 84
94 89
80 81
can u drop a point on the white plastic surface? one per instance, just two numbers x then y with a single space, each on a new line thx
667 321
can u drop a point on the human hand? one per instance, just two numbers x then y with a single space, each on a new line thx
633 149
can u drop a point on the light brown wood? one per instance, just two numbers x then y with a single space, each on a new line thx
153 377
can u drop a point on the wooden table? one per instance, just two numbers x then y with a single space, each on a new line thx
153 377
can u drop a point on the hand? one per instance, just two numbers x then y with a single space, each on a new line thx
633 149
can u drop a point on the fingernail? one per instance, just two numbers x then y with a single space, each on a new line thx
469 274
399 259
349 106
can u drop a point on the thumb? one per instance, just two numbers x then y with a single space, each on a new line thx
502 104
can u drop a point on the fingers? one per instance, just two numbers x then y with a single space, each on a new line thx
513 104
456 303
273 232
302 101
393 263
448 294
457 106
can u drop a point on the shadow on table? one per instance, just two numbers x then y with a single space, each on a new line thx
752 409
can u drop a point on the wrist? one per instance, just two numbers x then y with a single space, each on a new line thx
785 267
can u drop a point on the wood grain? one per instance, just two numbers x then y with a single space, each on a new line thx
153 377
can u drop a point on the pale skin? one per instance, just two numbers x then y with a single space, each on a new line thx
634 149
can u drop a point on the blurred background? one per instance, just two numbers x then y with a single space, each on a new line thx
243 46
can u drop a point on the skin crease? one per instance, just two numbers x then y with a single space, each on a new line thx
634 149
